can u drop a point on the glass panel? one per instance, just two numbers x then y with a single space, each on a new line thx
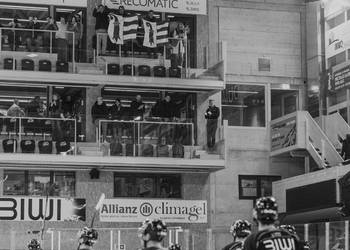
337 235
64 184
38 182
266 185
317 236
290 104
145 187
244 105
169 187
249 187
163 186
337 97
344 113
15 183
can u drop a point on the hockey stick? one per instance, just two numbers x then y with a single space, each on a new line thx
97 208
5 179
48 191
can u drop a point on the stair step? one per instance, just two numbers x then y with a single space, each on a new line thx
87 144
209 157
92 153
89 148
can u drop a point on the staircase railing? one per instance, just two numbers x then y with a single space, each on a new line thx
336 129
321 142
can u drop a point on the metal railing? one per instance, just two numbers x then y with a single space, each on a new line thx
35 129
174 54
44 41
147 138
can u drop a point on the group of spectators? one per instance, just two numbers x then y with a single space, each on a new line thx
164 109
58 108
178 32
39 39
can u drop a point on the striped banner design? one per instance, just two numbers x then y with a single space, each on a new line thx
128 26
162 33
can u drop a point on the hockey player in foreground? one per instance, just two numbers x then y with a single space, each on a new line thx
151 234
240 230
269 237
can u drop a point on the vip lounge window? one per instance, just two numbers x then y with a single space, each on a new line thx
244 105
255 186
36 183
150 186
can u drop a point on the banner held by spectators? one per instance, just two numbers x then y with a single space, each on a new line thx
121 29
155 34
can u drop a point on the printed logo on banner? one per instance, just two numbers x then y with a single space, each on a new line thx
131 210
283 134
196 7
33 209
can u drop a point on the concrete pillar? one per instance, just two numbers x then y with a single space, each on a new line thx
90 26
91 96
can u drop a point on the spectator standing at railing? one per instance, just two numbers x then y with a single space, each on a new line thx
75 27
33 107
99 112
117 113
49 37
101 26
345 151
15 110
178 45
61 40
55 111
32 36
211 114
13 35
167 109
137 108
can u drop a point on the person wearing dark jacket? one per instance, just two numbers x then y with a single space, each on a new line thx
55 111
212 114
137 108
345 151
167 108
117 112
100 112
101 14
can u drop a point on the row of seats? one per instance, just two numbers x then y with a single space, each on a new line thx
28 64
143 70
112 68
29 146
147 150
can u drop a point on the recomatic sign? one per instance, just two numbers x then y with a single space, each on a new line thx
174 211
195 7
33 209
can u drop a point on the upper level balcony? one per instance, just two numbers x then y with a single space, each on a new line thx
55 57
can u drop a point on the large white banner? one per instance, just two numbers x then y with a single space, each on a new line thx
135 210
72 3
33 209
195 7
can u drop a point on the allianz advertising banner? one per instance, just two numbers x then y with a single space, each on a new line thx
134 210
195 7
33 209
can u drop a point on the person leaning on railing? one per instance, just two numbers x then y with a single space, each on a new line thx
99 112
75 27
32 37
117 112
13 36
61 39
55 111
48 37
